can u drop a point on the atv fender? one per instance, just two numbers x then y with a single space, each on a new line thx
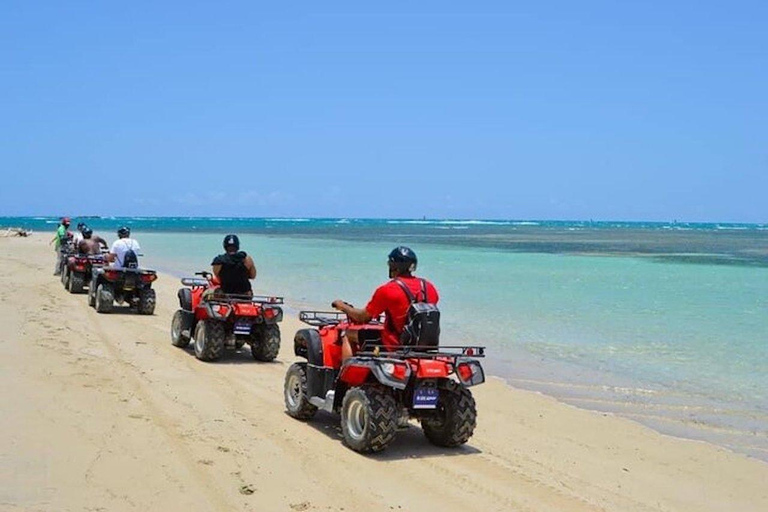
185 299
307 343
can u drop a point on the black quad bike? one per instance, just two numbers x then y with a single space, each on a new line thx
377 389
126 285
216 321
78 271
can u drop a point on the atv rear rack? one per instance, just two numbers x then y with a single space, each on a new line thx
243 299
327 318
425 352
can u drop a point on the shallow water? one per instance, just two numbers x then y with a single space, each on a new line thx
665 324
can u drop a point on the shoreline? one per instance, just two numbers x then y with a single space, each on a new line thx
101 411
669 411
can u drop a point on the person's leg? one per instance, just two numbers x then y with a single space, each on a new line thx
348 345
57 270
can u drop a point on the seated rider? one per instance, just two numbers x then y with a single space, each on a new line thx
234 269
78 237
390 299
122 247
91 244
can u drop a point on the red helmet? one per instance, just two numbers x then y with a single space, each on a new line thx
65 221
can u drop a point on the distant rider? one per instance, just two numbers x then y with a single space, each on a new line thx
234 269
60 238
122 247
78 237
390 299
91 244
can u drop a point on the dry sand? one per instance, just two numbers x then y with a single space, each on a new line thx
100 412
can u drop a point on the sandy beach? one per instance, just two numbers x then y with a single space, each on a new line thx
102 413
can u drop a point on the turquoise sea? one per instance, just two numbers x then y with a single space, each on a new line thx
665 323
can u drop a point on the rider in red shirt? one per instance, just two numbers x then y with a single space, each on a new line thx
389 299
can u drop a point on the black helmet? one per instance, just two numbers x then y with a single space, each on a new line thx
81 226
402 259
87 232
124 232
230 241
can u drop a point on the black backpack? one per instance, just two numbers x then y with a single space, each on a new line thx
422 324
130 259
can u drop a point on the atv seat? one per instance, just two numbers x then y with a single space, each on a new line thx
368 339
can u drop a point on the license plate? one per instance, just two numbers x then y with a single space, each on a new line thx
425 398
242 327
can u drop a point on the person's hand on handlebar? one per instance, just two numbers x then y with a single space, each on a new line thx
360 316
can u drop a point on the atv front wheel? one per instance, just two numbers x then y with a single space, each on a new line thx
104 298
265 342
65 278
456 417
92 295
147 298
368 418
75 282
295 393
209 340
181 328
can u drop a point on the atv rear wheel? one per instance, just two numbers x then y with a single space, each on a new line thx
209 340
368 418
295 393
75 282
104 298
456 417
147 298
265 342
182 323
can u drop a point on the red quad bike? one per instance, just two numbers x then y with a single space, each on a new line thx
79 269
132 285
378 390
215 321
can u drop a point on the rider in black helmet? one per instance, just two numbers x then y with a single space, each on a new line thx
234 269
124 245
91 244
390 299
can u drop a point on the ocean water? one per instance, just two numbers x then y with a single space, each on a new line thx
664 323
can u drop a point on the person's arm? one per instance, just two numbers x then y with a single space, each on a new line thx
111 255
357 315
251 266
216 270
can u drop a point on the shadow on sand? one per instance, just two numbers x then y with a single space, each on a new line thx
232 356
409 442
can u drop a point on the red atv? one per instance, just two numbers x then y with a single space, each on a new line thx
378 389
78 270
215 321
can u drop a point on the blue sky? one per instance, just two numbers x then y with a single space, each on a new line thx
546 110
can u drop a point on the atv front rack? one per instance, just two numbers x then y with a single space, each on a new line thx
322 318
327 318
425 352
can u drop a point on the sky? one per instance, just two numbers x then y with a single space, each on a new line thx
597 110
